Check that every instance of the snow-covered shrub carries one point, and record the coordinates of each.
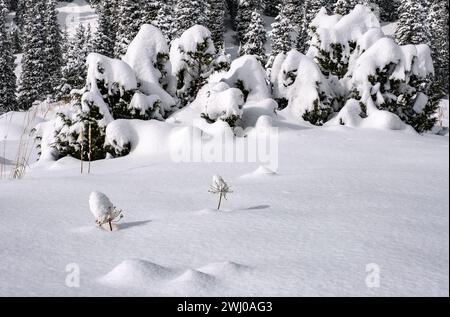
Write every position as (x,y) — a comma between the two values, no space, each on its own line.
(220,102)
(103,210)
(80,131)
(192,56)
(299,85)
(247,74)
(114,81)
(397,79)
(334,38)
(148,56)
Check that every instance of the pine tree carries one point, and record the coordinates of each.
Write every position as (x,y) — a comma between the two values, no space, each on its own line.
(255,38)
(53,47)
(272,7)
(74,70)
(412,27)
(388,9)
(293,10)
(149,10)
(8,100)
(129,22)
(438,24)
(33,78)
(105,38)
(343,7)
(281,34)
(165,20)
(216,22)
(244,16)
(189,13)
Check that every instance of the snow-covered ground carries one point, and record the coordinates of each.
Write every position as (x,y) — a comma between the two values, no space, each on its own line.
(342,199)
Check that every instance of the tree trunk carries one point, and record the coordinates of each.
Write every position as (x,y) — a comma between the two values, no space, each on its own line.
(220,202)
(110,225)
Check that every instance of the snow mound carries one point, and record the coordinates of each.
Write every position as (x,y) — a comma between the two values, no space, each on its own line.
(146,138)
(137,273)
(192,282)
(223,269)
(350,116)
(260,172)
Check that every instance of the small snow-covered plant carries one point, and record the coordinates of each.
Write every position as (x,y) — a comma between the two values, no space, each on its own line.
(221,188)
(103,210)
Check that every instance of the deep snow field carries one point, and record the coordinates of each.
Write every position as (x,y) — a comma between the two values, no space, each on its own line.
(342,198)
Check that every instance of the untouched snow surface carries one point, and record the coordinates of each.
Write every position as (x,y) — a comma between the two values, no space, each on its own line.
(341,199)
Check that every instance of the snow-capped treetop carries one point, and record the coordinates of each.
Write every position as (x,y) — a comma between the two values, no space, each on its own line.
(342,29)
(115,74)
(197,34)
(148,56)
(248,72)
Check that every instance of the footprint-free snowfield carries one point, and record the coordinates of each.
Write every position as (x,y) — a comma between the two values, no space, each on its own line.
(342,199)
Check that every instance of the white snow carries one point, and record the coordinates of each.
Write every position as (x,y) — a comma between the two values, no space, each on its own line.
(142,56)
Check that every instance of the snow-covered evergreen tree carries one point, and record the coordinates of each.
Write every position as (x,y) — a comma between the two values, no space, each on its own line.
(129,17)
(293,10)
(281,40)
(189,13)
(388,9)
(33,84)
(104,39)
(309,10)
(216,22)
(412,25)
(53,47)
(74,69)
(343,7)
(244,15)
(195,55)
(438,24)
(149,10)
(272,7)
(8,100)
(255,38)
(165,20)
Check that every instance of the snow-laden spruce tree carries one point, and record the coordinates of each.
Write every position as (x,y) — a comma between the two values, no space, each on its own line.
(104,39)
(164,20)
(33,80)
(299,85)
(272,7)
(438,24)
(149,10)
(343,7)
(8,100)
(281,40)
(293,10)
(216,22)
(129,17)
(388,9)
(309,10)
(74,68)
(244,16)
(192,56)
(53,47)
(412,24)
(189,13)
(255,38)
